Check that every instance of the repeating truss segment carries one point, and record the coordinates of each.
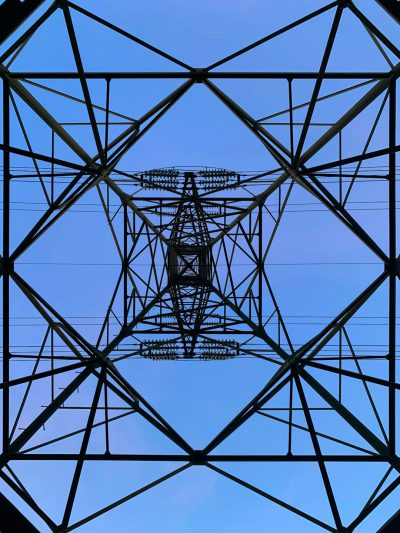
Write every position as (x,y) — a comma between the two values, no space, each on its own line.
(193,281)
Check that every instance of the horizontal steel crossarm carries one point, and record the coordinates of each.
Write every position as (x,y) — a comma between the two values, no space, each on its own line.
(198,458)
(199,75)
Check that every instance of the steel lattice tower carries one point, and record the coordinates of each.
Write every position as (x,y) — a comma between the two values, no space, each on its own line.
(192,227)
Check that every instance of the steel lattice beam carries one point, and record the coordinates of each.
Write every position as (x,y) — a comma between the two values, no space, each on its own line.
(197,303)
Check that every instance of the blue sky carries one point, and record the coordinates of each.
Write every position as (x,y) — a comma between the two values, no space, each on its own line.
(316,266)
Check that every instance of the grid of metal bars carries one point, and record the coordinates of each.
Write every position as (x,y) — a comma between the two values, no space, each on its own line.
(157,309)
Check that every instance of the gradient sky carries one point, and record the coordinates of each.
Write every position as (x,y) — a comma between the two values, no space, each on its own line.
(200,398)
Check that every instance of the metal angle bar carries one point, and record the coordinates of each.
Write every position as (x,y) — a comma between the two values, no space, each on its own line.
(166,103)
(392,273)
(254,404)
(34,104)
(126,331)
(33,427)
(16,479)
(320,99)
(272,498)
(6,268)
(379,47)
(200,75)
(128,35)
(127,498)
(339,125)
(374,456)
(281,31)
(356,424)
(17,53)
(281,321)
(374,504)
(162,107)
(229,277)
(343,317)
(28,388)
(269,141)
(367,22)
(109,312)
(79,100)
(109,221)
(318,83)
(379,486)
(29,501)
(392,7)
(40,227)
(62,327)
(83,450)
(392,525)
(47,159)
(26,35)
(366,388)
(329,201)
(29,146)
(317,449)
(41,375)
(160,423)
(83,81)
(366,146)
(278,221)
(198,457)
(258,401)
(354,159)
(353,112)
(27,452)
(351,374)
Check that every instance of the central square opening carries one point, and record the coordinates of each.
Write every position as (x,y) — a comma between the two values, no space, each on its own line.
(188,264)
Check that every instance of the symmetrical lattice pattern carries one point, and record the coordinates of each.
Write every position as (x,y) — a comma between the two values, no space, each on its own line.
(193,279)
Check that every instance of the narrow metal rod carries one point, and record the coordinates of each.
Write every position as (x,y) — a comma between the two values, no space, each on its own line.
(6,264)
(392,274)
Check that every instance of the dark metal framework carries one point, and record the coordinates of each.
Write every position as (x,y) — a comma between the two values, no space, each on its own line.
(187,305)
